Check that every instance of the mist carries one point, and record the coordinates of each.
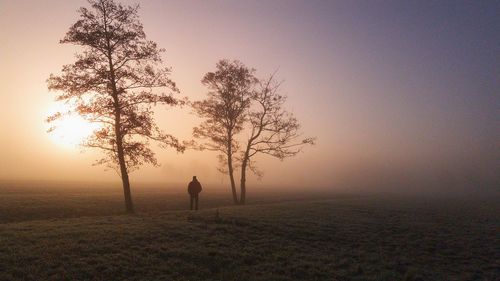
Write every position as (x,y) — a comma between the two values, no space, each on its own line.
(401,97)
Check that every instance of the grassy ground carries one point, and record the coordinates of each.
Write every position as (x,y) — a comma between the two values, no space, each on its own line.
(364,238)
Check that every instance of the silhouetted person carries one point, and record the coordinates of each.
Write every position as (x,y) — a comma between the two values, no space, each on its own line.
(194,188)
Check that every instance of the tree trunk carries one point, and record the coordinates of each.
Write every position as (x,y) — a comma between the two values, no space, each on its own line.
(244,164)
(230,166)
(129,207)
(243,188)
(231,177)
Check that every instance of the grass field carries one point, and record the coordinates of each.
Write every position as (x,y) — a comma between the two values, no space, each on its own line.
(81,235)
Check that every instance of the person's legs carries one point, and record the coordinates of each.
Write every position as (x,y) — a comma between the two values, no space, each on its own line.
(196,202)
(191,198)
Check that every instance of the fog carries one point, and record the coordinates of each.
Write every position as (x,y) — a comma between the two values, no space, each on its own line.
(402,97)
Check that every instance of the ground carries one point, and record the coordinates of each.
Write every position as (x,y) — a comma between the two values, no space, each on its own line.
(77,235)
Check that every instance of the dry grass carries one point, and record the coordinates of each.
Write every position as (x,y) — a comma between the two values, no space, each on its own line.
(334,239)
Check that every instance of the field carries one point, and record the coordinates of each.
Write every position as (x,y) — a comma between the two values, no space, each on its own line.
(81,234)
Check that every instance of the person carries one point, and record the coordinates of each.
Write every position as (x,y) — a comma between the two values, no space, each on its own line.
(194,188)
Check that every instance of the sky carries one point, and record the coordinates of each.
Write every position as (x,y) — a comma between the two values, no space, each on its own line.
(401,95)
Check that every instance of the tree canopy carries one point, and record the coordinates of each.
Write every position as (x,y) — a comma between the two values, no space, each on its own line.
(224,111)
(239,102)
(116,80)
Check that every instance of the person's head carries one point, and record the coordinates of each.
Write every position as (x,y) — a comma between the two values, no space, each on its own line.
(194,178)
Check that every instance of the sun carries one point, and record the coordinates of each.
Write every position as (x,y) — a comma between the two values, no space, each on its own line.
(71,130)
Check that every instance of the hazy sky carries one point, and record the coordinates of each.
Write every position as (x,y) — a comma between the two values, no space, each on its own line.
(401,94)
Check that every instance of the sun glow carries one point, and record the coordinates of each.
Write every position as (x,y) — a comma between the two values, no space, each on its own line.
(71,130)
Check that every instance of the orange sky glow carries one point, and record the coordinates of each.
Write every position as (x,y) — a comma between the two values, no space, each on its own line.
(367,92)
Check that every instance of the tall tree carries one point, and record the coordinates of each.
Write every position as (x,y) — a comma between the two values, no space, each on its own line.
(230,88)
(115,81)
(272,130)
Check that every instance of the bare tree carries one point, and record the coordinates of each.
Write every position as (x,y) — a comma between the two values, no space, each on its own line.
(230,88)
(272,130)
(115,82)
(237,102)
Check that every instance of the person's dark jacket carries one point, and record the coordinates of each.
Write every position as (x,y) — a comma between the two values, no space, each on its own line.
(194,188)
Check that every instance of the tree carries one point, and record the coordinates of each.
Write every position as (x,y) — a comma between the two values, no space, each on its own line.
(115,82)
(239,102)
(273,130)
(230,88)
